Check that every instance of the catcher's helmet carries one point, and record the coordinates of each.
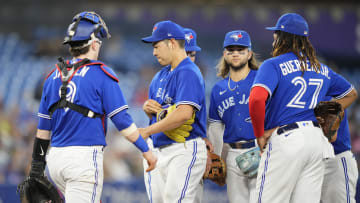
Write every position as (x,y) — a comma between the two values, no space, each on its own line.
(84,25)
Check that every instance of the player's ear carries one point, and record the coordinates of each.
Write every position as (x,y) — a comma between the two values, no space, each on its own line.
(168,43)
(250,54)
(171,44)
(224,52)
(93,45)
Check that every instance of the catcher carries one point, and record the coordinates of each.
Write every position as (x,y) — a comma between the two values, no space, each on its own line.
(78,96)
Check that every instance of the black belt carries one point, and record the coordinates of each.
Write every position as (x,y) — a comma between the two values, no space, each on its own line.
(293,126)
(239,145)
(164,146)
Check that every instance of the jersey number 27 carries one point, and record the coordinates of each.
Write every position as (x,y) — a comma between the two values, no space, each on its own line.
(296,100)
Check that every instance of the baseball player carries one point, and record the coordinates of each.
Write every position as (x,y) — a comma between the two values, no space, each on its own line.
(287,87)
(152,183)
(229,119)
(74,108)
(341,172)
(180,165)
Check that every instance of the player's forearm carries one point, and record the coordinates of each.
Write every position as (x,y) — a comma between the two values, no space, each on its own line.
(132,134)
(40,147)
(215,132)
(43,134)
(174,120)
(348,99)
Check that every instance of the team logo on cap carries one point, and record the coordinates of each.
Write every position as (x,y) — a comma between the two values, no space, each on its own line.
(189,37)
(155,27)
(236,37)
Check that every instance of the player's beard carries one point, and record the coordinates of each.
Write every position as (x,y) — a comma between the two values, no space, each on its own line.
(238,67)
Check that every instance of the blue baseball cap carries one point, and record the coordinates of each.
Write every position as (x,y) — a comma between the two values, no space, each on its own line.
(292,23)
(190,40)
(165,30)
(237,37)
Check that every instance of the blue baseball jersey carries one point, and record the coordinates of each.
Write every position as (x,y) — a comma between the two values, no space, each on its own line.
(293,94)
(94,86)
(231,107)
(183,85)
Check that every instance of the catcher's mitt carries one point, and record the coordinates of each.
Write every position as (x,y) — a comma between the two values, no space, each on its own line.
(329,114)
(217,172)
(248,162)
(38,190)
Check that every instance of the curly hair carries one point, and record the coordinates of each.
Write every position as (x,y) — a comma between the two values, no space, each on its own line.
(299,45)
(223,68)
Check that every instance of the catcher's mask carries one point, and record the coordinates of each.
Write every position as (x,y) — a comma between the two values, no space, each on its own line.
(84,25)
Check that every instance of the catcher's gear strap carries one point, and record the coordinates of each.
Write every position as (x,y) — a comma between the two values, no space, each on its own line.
(40,149)
(67,71)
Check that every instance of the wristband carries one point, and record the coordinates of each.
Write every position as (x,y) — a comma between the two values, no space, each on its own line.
(40,149)
(141,144)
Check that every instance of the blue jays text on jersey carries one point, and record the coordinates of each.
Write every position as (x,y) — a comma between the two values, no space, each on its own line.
(94,86)
(296,93)
(230,106)
(183,85)
(229,102)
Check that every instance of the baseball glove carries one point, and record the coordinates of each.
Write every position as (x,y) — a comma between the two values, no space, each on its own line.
(329,114)
(248,162)
(217,172)
(178,134)
(38,190)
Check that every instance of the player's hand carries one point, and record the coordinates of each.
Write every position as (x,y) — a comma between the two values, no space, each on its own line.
(151,160)
(209,146)
(208,163)
(262,141)
(151,107)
